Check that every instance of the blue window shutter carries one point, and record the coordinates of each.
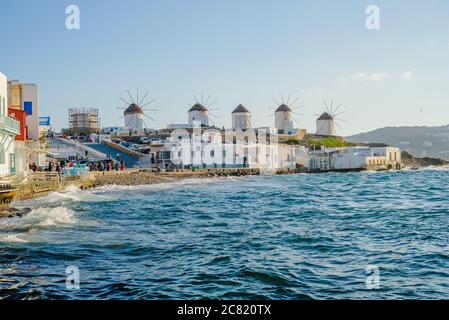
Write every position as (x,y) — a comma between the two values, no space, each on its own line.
(28,107)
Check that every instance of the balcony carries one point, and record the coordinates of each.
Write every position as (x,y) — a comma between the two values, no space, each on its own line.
(9,125)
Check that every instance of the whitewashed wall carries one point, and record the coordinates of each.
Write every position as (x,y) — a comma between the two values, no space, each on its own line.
(7,141)
(241,120)
(30,93)
(283,120)
(200,116)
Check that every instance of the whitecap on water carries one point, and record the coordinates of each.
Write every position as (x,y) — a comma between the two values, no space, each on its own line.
(157,186)
(39,218)
(53,216)
(13,238)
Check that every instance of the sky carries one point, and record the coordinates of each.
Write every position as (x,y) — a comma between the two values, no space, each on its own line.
(247,52)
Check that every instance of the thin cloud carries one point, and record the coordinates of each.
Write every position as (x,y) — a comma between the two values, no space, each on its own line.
(362,76)
(407,75)
(373,77)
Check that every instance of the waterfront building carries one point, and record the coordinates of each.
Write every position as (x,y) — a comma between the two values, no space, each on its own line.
(20,148)
(216,151)
(241,118)
(116,131)
(25,97)
(9,129)
(355,158)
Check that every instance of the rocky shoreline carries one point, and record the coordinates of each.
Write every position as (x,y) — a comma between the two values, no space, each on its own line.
(34,189)
(143,177)
(414,162)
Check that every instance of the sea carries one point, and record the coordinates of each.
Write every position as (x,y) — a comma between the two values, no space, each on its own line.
(368,235)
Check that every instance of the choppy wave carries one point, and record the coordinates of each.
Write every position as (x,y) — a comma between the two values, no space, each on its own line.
(171,184)
(266,237)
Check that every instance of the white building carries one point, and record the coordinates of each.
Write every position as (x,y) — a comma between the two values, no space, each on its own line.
(26,97)
(283,119)
(199,113)
(116,131)
(325,125)
(213,150)
(174,126)
(9,128)
(355,158)
(30,101)
(392,155)
(133,116)
(241,118)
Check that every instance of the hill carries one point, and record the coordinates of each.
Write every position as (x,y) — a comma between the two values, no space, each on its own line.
(421,142)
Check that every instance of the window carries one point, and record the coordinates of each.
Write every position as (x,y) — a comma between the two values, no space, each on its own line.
(28,107)
(2,156)
(3,106)
(12,163)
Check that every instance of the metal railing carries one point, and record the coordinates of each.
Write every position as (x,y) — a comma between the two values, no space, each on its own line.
(10,125)
(75,171)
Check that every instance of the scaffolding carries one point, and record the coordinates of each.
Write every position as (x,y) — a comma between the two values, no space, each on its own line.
(83,118)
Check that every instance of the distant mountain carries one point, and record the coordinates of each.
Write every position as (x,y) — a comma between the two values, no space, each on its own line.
(419,141)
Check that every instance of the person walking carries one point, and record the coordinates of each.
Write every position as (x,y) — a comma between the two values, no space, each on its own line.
(122,165)
(58,170)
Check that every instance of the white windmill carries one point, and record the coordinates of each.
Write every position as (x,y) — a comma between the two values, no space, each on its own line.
(199,112)
(284,115)
(327,122)
(241,118)
(134,115)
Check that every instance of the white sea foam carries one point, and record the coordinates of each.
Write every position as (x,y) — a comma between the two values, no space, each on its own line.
(434,168)
(13,238)
(158,186)
(53,216)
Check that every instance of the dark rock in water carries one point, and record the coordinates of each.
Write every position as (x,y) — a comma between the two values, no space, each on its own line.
(14,212)
(23,212)
(415,163)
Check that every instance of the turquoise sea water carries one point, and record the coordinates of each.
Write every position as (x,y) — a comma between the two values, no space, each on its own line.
(265,237)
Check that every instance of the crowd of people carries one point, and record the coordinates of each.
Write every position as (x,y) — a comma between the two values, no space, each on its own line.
(107,166)
(59,166)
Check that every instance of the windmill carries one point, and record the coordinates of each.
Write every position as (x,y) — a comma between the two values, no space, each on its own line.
(134,114)
(328,120)
(241,118)
(200,111)
(284,113)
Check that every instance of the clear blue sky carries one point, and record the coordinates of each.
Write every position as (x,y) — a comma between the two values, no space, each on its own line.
(239,51)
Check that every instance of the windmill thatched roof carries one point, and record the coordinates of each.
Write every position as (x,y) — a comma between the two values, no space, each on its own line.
(326,116)
(283,108)
(198,107)
(240,109)
(133,108)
